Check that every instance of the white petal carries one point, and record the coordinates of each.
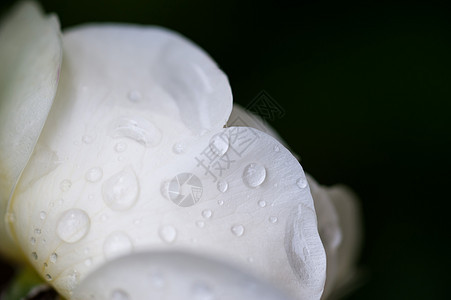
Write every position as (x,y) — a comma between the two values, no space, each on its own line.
(172,276)
(257,212)
(30,58)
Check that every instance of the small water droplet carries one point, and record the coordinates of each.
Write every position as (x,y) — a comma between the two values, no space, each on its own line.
(32,240)
(200,224)
(45,265)
(53,257)
(262,203)
(302,182)
(221,202)
(276,148)
(121,190)
(178,148)
(207,214)
(222,186)
(119,295)
(48,277)
(168,233)
(88,139)
(219,144)
(134,96)
(10,217)
(88,262)
(94,174)
(201,291)
(120,147)
(254,174)
(137,129)
(37,231)
(157,280)
(42,215)
(73,225)
(34,255)
(273,219)
(103,218)
(65,185)
(238,230)
(117,244)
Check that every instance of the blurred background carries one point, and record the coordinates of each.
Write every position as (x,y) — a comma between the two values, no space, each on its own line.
(365,89)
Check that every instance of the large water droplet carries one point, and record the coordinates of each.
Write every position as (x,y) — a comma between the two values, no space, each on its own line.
(94,174)
(207,214)
(65,185)
(238,230)
(137,129)
(117,244)
(222,186)
(73,225)
(254,174)
(302,182)
(121,190)
(219,144)
(119,295)
(168,233)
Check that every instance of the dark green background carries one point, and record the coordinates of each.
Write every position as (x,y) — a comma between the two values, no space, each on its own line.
(366,90)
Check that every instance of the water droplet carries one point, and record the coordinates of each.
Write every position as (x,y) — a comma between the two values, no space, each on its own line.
(119,295)
(238,230)
(45,265)
(42,215)
(48,277)
(65,185)
(137,129)
(219,144)
(53,257)
(222,186)
(88,139)
(120,147)
(32,240)
(73,225)
(134,96)
(117,244)
(221,202)
(201,291)
(34,255)
(120,191)
(200,224)
(276,148)
(178,148)
(254,174)
(94,174)
(88,262)
(103,218)
(10,217)
(302,182)
(168,233)
(262,203)
(157,280)
(37,231)
(273,219)
(207,214)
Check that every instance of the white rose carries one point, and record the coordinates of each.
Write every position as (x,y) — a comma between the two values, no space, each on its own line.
(127,157)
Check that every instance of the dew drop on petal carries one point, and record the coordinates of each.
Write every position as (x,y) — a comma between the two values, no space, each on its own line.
(207,213)
(137,129)
(221,202)
(238,230)
(119,295)
(87,139)
(222,186)
(168,233)
(121,190)
(116,244)
(178,148)
(88,262)
(32,240)
(276,148)
(273,219)
(53,257)
(65,185)
(201,291)
(302,183)
(254,174)
(48,277)
(73,225)
(37,231)
(94,174)
(157,280)
(134,96)
(120,147)
(34,255)
(200,224)
(262,203)
(219,144)
(42,215)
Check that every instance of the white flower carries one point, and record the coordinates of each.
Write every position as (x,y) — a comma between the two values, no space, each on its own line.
(133,157)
